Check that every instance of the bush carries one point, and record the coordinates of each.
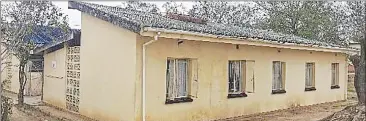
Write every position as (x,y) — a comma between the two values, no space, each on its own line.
(7,104)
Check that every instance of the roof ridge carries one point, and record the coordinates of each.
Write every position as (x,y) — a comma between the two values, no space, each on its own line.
(136,20)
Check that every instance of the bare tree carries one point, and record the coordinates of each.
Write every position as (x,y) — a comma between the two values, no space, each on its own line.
(23,20)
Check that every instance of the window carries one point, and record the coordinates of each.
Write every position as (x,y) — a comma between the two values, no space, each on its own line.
(241,78)
(310,77)
(36,66)
(335,76)
(278,82)
(181,74)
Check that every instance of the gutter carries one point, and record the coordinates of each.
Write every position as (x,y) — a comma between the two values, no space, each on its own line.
(144,74)
(262,41)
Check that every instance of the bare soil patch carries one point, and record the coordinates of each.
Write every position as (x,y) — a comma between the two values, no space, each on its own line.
(304,113)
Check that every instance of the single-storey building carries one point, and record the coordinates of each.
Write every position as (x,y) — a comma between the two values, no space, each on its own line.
(10,75)
(351,68)
(136,66)
(41,36)
(355,45)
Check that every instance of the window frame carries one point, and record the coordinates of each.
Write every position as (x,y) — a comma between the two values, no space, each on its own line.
(241,82)
(335,75)
(282,76)
(35,69)
(178,98)
(312,72)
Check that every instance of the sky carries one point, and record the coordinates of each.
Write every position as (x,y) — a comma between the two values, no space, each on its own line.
(75,15)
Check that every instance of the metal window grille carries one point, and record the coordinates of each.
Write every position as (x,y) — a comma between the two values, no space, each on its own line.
(177,78)
(36,66)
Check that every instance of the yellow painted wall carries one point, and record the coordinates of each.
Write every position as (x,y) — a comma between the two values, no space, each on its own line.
(13,84)
(33,85)
(212,101)
(138,82)
(54,78)
(108,67)
(111,77)
(14,81)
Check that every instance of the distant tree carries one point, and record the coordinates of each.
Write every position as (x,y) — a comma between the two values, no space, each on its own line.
(21,19)
(173,7)
(308,19)
(141,6)
(225,13)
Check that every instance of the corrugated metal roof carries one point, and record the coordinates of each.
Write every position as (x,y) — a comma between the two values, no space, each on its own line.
(42,35)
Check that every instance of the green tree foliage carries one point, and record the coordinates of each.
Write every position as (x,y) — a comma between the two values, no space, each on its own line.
(141,6)
(173,7)
(309,19)
(356,19)
(225,13)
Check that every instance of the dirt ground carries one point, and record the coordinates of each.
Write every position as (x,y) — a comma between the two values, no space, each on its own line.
(23,114)
(307,113)
(34,110)
(19,114)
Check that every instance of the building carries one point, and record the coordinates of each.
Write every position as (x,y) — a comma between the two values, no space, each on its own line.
(34,75)
(41,36)
(351,68)
(355,45)
(130,64)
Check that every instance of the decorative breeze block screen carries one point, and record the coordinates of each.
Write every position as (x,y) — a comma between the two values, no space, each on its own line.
(73,79)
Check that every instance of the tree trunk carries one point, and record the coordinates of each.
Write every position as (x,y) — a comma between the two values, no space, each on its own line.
(22,81)
(356,59)
(362,74)
(363,61)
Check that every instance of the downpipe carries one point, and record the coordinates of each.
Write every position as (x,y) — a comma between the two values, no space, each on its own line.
(144,74)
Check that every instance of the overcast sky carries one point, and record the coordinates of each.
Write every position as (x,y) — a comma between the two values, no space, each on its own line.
(75,17)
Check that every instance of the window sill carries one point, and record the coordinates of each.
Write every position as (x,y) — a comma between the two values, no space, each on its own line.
(310,89)
(237,95)
(335,87)
(278,91)
(35,70)
(179,100)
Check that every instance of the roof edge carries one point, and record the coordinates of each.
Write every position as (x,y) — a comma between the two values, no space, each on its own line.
(248,41)
(43,48)
(115,20)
